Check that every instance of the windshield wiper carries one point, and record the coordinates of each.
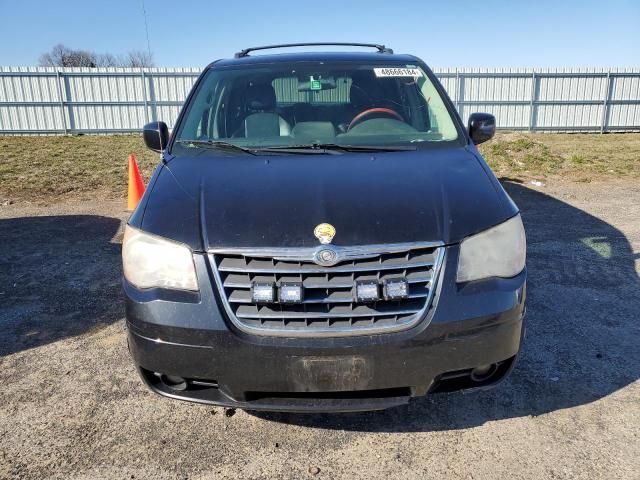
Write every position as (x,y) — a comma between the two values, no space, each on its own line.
(332,147)
(217,144)
(313,148)
(369,148)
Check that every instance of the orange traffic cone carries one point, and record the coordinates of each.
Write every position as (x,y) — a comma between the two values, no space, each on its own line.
(136,187)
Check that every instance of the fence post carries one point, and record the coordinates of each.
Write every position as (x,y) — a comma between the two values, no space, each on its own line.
(457,100)
(532,103)
(63,117)
(460,94)
(144,96)
(605,104)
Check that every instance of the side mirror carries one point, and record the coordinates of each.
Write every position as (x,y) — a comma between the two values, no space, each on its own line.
(482,127)
(156,136)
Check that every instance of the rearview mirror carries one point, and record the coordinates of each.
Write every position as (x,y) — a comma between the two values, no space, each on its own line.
(156,136)
(482,127)
(327,83)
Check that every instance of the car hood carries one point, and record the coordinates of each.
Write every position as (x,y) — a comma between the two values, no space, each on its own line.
(210,199)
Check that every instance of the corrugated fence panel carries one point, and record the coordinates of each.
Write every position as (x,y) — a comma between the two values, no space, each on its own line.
(627,91)
(573,102)
(48,100)
(167,88)
(30,100)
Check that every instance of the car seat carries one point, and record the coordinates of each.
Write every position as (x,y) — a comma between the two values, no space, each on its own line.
(263,119)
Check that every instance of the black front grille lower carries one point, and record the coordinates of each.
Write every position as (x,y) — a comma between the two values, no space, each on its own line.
(328,307)
(337,395)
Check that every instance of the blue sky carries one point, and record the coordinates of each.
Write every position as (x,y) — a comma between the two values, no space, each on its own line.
(480,33)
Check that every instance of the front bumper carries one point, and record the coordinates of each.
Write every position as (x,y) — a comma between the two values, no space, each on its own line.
(188,336)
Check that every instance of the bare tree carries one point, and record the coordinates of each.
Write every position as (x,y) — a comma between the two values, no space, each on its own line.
(61,56)
(139,59)
(107,60)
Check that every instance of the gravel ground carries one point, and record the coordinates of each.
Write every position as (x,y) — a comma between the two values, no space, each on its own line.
(72,405)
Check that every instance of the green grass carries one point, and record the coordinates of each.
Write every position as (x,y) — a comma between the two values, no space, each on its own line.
(573,157)
(521,155)
(46,168)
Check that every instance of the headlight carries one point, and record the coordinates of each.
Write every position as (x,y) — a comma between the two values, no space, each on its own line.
(498,252)
(149,261)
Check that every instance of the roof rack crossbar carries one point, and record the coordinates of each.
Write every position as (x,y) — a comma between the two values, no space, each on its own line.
(381,48)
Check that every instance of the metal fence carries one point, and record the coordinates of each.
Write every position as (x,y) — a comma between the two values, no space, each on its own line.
(45,100)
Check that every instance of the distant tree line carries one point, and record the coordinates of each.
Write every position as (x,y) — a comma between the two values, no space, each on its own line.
(63,56)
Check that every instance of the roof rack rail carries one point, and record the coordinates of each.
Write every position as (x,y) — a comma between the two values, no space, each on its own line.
(381,48)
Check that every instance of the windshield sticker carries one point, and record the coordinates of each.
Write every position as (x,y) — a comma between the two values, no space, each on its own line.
(397,72)
(315,84)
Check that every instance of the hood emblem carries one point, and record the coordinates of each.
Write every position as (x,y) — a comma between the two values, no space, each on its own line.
(325,233)
(326,257)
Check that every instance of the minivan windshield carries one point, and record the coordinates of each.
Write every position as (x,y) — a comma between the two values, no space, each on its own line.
(314,104)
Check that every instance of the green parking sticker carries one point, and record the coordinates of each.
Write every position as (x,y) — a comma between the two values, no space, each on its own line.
(315,84)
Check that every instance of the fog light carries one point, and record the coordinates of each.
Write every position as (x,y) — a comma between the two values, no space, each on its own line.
(367,291)
(483,372)
(262,292)
(396,288)
(290,292)
(174,382)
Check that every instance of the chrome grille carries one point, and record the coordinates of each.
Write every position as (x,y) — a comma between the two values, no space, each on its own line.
(328,307)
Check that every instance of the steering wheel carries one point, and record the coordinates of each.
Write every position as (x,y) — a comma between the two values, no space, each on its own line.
(371,111)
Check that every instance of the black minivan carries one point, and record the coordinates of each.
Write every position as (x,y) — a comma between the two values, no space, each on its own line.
(322,234)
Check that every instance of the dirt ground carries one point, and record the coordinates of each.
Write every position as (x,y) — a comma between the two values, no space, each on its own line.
(72,406)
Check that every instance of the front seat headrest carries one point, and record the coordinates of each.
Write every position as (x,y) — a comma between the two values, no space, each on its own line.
(261,97)
(366,91)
